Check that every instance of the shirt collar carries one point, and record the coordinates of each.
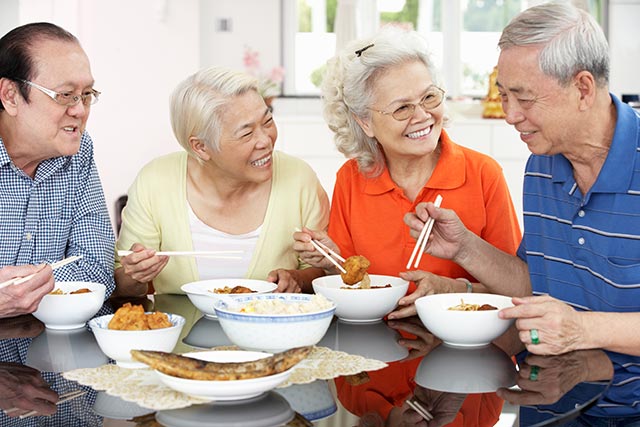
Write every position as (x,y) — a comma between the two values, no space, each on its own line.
(617,171)
(449,172)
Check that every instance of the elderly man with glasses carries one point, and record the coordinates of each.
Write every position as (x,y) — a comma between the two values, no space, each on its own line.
(52,204)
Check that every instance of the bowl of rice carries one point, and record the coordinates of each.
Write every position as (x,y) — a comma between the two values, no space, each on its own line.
(275,322)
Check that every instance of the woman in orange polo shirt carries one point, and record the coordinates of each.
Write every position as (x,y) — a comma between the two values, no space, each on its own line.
(385,104)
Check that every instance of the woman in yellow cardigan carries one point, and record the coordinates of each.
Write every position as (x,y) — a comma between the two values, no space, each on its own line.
(228,190)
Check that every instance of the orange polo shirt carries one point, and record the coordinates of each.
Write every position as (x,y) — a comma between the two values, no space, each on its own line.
(367,213)
(367,219)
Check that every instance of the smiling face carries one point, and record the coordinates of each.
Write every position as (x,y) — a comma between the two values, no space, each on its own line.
(46,129)
(246,140)
(544,112)
(416,136)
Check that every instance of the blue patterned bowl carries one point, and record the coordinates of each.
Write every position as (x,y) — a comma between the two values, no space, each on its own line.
(275,332)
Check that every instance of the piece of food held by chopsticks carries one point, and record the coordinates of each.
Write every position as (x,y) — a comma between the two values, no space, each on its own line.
(195,369)
(356,267)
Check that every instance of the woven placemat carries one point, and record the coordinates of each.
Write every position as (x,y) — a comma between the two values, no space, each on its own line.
(143,387)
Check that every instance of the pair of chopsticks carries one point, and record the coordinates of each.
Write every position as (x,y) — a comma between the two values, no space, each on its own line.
(421,243)
(62,398)
(328,253)
(197,254)
(61,263)
(416,406)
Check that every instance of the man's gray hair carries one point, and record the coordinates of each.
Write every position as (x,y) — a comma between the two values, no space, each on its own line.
(573,41)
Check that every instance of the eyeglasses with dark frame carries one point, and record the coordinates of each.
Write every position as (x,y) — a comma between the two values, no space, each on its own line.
(432,99)
(65,98)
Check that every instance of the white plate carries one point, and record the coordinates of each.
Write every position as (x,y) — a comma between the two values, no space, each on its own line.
(226,390)
(200,293)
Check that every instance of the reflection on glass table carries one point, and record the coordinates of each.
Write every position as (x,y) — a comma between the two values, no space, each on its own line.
(205,334)
(267,410)
(472,370)
(314,401)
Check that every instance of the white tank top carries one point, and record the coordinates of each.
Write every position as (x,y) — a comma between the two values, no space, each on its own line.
(206,238)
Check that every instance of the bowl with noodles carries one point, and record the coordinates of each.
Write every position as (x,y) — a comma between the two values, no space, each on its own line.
(464,319)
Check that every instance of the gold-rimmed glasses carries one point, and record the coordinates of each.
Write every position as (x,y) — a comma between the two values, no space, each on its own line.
(67,99)
(432,99)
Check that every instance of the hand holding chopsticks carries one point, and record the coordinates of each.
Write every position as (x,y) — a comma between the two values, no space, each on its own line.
(58,264)
(421,243)
(63,398)
(328,253)
(414,404)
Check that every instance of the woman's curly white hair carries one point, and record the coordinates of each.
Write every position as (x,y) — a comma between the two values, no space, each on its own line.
(348,89)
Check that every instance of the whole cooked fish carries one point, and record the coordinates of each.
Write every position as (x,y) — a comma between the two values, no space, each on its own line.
(188,367)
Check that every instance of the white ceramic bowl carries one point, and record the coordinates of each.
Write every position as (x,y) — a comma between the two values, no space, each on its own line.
(61,351)
(225,390)
(362,305)
(267,410)
(466,370)
(118,344)
(463,328)
(202,296)
(70,311)
(273,332)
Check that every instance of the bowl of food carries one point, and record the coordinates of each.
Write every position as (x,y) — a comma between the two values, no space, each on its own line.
(70,305)
(360,304)
(204,293)
(466,370)
(464,319)
(275,322)
(131,328)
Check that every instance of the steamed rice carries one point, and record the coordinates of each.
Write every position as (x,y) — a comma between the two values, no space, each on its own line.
(277,306)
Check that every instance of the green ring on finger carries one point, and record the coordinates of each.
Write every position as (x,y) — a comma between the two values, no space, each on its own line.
(535,338)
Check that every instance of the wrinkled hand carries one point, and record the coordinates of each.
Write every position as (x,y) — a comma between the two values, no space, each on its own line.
(553,376)
(559,326)
(309,254)
(143,265)
(24,298)
(443,406)
(287,280)
(424,342)
(448,233)
(426,284)
(22,387)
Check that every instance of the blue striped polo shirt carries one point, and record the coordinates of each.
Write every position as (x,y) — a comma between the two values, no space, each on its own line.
(585,249)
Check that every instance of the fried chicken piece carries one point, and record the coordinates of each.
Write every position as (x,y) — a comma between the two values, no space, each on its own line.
(356,267)
(81,291)
(158,320)
(241,290)
(133,318)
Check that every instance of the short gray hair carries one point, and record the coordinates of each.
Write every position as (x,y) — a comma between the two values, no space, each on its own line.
(347,89)
(573,41)
(196,104)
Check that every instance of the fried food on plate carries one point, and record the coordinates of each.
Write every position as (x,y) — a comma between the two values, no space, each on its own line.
(133,318)
(195,369)
(356,267)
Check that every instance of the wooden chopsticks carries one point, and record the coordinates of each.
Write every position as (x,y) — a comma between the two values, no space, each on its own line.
(58,264)
(421,243)
(62,398)
(197,254)
(416,406)
(328,253)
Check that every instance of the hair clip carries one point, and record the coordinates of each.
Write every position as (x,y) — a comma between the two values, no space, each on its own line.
(359,51)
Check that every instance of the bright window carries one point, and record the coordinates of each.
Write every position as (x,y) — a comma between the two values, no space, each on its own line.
(462,34)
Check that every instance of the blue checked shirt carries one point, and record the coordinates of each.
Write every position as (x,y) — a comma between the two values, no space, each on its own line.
(59,213)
